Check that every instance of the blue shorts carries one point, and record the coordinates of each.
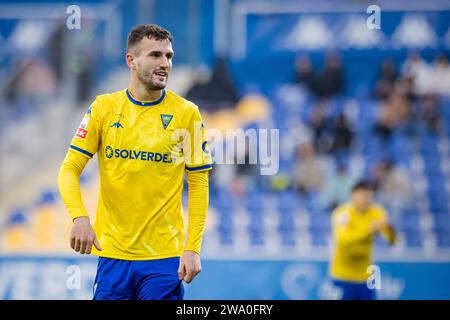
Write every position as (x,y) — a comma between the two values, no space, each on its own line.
(138,280)
(353,291)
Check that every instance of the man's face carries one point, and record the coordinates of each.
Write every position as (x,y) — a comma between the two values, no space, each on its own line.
(362,199)
(152,61)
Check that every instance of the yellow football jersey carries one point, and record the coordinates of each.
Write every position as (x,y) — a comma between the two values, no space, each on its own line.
(354,240)
(143,149)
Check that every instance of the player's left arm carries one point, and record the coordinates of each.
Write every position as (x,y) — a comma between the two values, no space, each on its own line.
(387,230)
(198,162)
(198,196)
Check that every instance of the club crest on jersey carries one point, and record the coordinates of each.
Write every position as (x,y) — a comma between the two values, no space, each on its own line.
(166,118)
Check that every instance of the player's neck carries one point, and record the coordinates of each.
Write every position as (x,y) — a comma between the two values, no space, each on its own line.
(141,93)
(360,209)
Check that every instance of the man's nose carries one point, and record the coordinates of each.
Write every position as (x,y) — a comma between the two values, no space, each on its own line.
(165,63)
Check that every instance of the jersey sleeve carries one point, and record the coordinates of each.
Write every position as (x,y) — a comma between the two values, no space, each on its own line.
(69,186)
(195,146)
(387,233)
(87,137)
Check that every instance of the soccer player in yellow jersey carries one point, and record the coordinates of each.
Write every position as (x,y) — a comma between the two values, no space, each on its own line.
(355,225)
(146,138)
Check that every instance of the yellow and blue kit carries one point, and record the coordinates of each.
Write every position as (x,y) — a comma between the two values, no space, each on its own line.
(143,150)
(353,237)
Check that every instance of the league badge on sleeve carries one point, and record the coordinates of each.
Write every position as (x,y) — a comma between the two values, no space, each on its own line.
(81,133)
(82,129)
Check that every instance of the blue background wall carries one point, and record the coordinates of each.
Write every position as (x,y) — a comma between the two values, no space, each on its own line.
(47,277)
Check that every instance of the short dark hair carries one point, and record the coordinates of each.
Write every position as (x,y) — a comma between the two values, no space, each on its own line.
(151,31)
(363,185)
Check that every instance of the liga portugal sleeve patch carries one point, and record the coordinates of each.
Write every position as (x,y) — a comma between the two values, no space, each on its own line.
(81,133)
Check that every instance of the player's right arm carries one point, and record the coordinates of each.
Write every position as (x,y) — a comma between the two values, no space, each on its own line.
(83,146)
(82,236)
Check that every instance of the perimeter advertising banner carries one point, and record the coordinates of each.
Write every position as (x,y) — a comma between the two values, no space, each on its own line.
(73,278)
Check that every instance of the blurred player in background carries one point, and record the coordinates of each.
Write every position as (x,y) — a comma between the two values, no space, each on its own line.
(146,137)
(355,225)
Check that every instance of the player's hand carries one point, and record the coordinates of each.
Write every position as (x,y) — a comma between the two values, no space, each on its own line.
(190,266)
(82,236)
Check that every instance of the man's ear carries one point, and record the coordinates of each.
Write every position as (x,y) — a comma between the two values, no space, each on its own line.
(129,57)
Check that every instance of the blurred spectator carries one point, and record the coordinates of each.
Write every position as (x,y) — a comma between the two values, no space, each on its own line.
(82,67)
(309,170)
(441,70)
(426,78)
(331,79)
(218,92)
(406,86)
(343,136)
(305,74)
(420,72)
(322,128)
(386,80)
(253,108)
(35,80)
(246,175)
(393,185)
(393,113)
(56,50)
(323,84)
(338,187)
(429,113)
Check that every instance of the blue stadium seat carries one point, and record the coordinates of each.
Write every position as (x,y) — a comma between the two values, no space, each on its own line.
(47,197)
(256,227)
(336,106)
(409,221)
(428,146)
(432,165)
(288,239)
(319,238)
(400,144)
(438,204)
(288,201)
(320,221)
(16,217)
(442,222)
(443,239)
(256,239)
(226,239)
(380,242)
(287,223)
(254,203)
(224,202)
(413,239)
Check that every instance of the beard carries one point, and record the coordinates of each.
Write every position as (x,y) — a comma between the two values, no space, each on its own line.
(146,78)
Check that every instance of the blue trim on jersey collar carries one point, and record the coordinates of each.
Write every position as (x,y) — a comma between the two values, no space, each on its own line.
(146,104)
